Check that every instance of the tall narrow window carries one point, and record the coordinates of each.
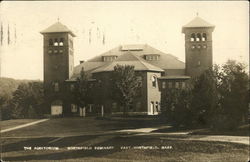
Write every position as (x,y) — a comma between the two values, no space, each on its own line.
(177,85)
(163,85)
(170,84)
(56,86)
(192,37)
(153,81)
(61,42)
(204,37)
(50,42)
(198,38)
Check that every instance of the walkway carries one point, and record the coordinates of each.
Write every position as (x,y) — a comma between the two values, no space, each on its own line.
(24,125)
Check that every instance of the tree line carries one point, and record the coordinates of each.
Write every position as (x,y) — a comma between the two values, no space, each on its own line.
(217,99)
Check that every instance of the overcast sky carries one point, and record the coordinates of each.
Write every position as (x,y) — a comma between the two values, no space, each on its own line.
(155,23)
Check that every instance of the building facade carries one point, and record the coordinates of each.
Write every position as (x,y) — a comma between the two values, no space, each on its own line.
(157,71)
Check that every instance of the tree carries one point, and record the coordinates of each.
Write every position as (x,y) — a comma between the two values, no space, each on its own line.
(177,103)
(234,94)
(204,103)
(27,100)
(125,85)
(81,89)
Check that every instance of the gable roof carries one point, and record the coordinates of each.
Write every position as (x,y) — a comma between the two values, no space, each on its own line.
(129,58)
(57,27)
(198,22)
(166,61)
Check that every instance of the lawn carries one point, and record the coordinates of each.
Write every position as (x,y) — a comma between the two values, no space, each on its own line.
(91,132)
(77,125)
(195,151)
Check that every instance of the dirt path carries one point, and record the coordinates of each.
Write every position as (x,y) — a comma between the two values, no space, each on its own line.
(23,125)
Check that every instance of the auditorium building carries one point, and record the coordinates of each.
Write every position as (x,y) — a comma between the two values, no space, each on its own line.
(156,70)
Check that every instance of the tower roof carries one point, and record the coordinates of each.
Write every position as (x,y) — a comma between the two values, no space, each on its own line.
(57,27)
(198,22)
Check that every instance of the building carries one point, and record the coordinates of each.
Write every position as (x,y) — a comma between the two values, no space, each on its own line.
(157,71)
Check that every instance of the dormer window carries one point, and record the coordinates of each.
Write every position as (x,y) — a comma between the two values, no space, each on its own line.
(55,42)
(109,58)
(152,57)
(61,42)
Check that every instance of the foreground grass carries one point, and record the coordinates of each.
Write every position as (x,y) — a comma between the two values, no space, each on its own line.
(195,151)
(75,126)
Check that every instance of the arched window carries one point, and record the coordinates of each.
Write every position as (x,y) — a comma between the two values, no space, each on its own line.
(55,42)
(61,42)
(204,37)
(192,38)
(198,37)
(153,81)
(50,42)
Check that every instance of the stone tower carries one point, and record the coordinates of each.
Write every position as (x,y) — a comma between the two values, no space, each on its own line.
(58,55)
(198,46)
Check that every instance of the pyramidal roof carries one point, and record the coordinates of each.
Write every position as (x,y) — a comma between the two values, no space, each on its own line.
(129,58)
(198,22)
(57,27)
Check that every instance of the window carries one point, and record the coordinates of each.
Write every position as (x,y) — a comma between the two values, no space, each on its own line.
(204,37)
(50,42)
(60,51)
(199,46)
(61,42)
(163,85)
(153,81)
(157,106)
(204,46)
(72,87)
(177,85)
(50,51)
(183,85)
(198,38)
(55,42)
(193,47)
(55,51)
(138,106)
(56,87)
(192,38)
(73,108)
(170,84)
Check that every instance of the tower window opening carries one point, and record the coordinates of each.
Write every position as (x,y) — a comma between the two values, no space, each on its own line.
(193,47)
(204,37)
(61,42)
(198,38)
(204,46)
(192,37)
(55,42)
(199,46)
(50,42)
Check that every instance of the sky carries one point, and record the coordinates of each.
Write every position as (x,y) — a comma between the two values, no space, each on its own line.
(157,23)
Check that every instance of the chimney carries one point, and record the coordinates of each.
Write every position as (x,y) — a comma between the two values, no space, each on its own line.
(81,61)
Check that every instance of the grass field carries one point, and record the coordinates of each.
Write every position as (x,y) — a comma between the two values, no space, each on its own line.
(91,133)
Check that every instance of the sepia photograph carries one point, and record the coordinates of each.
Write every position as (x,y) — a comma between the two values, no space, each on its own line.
(121,81)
